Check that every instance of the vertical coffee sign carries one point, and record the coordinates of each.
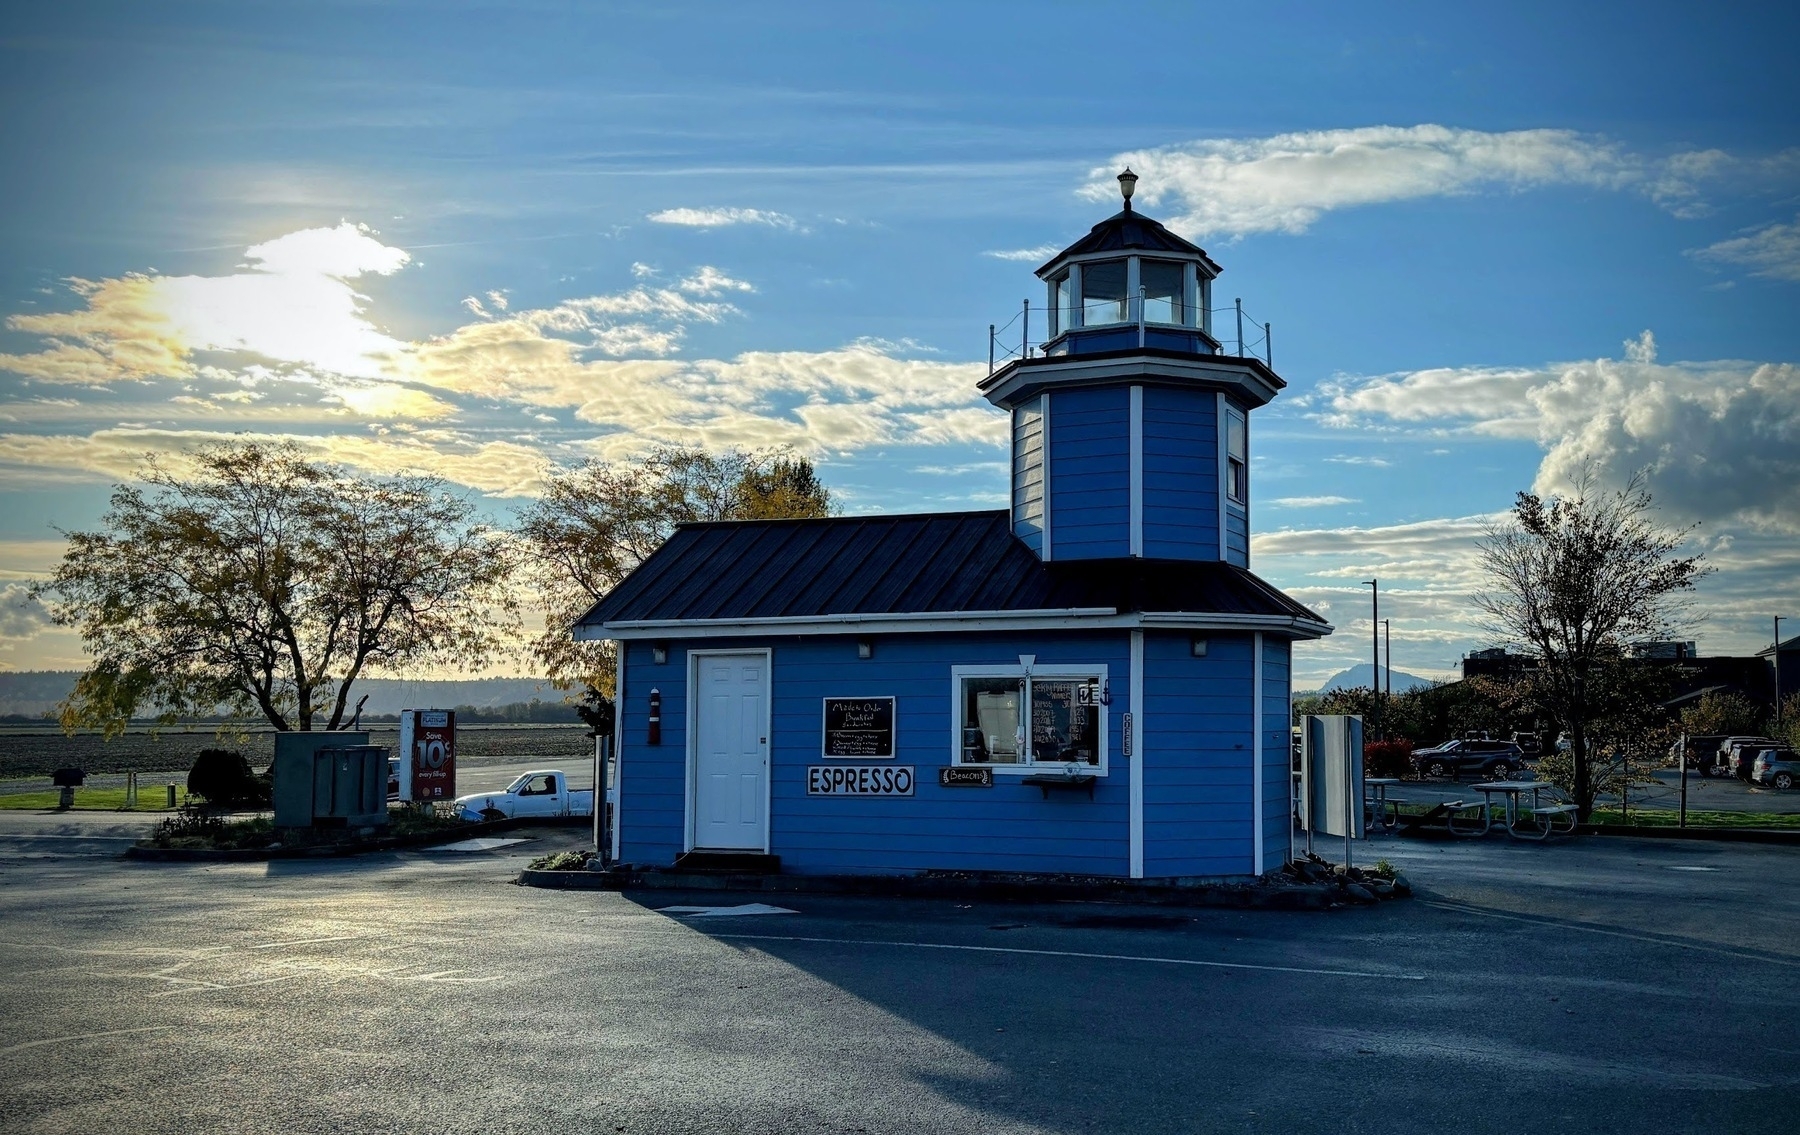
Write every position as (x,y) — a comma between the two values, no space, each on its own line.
(428,754)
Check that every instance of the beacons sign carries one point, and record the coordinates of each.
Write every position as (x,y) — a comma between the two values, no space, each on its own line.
(428,754)
(866,780)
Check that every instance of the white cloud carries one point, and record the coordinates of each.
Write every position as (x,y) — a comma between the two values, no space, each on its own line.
(1285,183)
(709,281)
(21,615)
(294,305)
(598,370)
(718,218)
(1372,462)
(1036,255)
(344,252)
(1772,251)
(1308,502)
(1720,440)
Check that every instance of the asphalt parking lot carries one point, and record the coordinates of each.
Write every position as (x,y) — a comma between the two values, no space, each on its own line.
(1598,984)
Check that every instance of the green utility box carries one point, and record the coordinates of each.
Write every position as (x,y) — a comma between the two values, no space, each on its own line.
(329,780)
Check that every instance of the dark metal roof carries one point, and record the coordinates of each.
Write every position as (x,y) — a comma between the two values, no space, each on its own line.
(1130,230)
(924,563)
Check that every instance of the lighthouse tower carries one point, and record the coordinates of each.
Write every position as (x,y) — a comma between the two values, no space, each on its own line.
(1131,436)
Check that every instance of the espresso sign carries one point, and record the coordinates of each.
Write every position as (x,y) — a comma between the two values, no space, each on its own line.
(859,780)
(859,727)
(962,776)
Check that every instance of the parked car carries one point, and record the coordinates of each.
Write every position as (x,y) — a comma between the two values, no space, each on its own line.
(1738,754)
(1777,768)
(1496,759)
(540,792)
(1529,743)
(393,791)
(1702,751)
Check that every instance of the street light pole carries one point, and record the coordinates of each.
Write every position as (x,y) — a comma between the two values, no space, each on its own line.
(1778,673)
(1387,656)
(1375,649)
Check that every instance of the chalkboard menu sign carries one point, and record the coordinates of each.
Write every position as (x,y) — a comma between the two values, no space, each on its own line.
(859,727)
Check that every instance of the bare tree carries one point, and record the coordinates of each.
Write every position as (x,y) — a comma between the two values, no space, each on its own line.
(266,585)
(596,521)
(1575,579)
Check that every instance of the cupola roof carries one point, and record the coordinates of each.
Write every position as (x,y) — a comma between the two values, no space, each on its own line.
(1129,230)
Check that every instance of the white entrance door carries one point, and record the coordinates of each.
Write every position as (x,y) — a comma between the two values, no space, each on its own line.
(731,698)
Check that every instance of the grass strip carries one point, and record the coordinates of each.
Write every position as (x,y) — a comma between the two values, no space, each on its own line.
(151,798)
(1658,818)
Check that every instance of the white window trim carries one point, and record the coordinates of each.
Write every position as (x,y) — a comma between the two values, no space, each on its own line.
(1244,481)
(1044,415)
(1136,472)
(617,794)
(1030,768)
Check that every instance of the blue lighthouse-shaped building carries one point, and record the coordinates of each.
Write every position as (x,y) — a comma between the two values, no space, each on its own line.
(1131,431)
(1089,682)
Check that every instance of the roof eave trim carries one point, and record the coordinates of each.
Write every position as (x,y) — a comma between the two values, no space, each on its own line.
(942,622)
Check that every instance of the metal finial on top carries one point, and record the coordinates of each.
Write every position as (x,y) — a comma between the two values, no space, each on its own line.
(1127,183)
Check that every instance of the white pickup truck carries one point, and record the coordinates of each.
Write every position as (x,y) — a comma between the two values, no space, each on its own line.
(540,792)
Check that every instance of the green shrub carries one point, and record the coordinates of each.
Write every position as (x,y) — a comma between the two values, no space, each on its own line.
(562,861)
(224,779)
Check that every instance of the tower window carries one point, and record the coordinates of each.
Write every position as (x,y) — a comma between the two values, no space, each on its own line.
(1165,286)
(1061,298)
(1237,485)
(1103,293)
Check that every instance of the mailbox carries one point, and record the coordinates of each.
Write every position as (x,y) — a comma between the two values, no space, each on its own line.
(68,777)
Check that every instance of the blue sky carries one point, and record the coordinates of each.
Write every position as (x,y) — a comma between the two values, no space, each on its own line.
(474,238)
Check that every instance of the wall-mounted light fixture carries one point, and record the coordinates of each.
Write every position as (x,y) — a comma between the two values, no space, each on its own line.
(659,652)
(1197,646)
(865,648)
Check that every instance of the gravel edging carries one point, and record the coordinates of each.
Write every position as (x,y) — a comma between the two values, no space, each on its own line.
(330,851)
(997,888)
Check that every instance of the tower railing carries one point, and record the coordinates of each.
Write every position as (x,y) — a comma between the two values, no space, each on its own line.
(1014,340)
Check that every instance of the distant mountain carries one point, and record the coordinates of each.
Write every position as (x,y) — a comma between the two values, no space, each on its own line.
(1359,676)
(36,692)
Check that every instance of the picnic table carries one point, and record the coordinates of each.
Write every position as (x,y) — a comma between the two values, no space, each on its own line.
(1378,810)
(1536,822)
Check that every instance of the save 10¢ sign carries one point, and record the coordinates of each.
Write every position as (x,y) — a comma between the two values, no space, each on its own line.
(428,747)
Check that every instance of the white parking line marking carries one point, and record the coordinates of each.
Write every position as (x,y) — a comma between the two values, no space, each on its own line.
(81,1036)
(1071,954)
(725,911)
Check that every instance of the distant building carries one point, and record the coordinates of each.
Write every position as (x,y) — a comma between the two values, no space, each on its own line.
(1691,676)
(1497,662)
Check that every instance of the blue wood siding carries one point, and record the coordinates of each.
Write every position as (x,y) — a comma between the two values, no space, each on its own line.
(1090,473)
(1181,474)
(1237,535)
(1277,752)
(1009,827)
(1198,766)
(653,779)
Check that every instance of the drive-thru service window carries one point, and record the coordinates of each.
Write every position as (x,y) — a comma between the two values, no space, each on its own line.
(1014,720)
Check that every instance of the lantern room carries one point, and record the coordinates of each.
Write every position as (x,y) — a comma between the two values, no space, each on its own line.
(1130,283)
